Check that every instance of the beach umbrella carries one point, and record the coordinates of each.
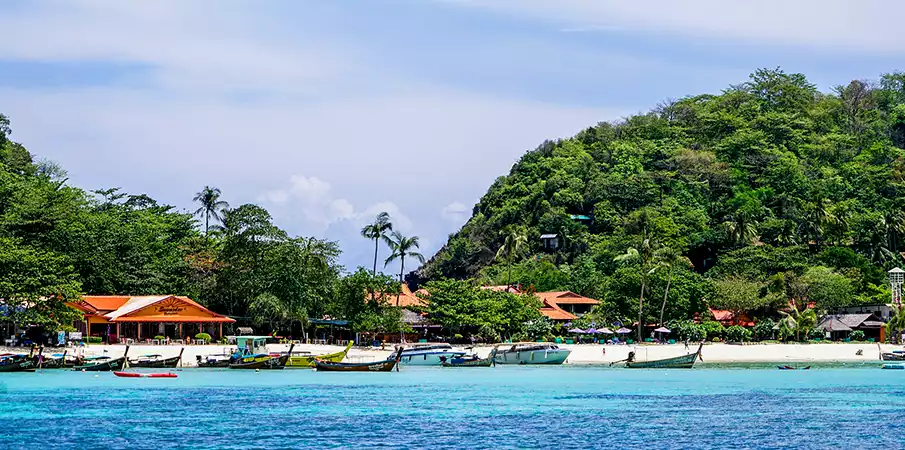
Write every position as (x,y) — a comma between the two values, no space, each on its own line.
(576,330)
(591,331)
(567,324)
(605,331)
(662,330)
(623,331)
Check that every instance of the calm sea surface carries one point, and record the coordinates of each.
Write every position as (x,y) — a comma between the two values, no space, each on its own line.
(502,407)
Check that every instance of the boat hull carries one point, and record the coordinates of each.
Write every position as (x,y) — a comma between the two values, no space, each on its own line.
(557,356)
(429,359)
(165,363)
(466,362)
(106,366)
(268,363)
(307,361)
(380,366)
(144,375)
(679,362)
(19,365)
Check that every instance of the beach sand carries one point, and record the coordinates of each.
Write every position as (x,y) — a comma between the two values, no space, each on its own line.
(581,354)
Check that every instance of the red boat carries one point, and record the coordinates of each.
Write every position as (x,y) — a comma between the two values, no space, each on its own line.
(145,375)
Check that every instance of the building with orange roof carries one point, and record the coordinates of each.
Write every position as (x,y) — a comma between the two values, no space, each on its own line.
(503,288)
(406,298)
(120,317)
(729,318)
(568,301)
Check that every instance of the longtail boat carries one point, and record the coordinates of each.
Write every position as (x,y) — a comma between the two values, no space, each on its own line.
(252,359)
(10,362)
(56,361)
(102,363)
(307,361)
(895,355)
(145,375)
(793,368)
(378,366)
(157,361)
(678,362)
(470,361)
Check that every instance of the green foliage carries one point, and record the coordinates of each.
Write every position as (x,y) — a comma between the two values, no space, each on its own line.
(736,333)
(458,305)
(94,340)
(763,329)
(687,330)
(857,335)
(539,328)
(203,336)
(713,329)
(160,337)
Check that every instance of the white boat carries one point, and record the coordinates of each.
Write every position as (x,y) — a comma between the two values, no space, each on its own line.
(531,353)
(429,354)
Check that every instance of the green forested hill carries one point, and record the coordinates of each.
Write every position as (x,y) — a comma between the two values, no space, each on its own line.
(772,190)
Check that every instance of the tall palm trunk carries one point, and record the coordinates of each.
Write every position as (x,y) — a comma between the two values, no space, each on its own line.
(207,221)
(641,309)
(665,295)
(375,256)
(509,275)
(401,271)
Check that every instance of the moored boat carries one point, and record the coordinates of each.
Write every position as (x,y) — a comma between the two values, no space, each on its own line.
(252,355)
(678,362)
(156,361)
(145,375)
(470,361)
(530,353)
(102,363)
(377,366)
(11,362)
(307,361)
(895,355)
(893,366)
(429,354)
(793,368)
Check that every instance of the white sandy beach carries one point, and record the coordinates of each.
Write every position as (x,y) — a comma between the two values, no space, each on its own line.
(581,354)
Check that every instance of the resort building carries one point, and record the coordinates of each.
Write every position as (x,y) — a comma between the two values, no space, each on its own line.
(120,318)
(840,326)
(729,318)
(565,305)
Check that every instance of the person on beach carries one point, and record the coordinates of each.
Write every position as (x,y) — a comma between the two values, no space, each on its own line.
(686,344)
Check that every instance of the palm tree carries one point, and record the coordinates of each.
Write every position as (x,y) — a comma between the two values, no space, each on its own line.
(211,205)
(740,229)
(513,246)
(669,258)
(377,231)
(644,256)
(896,323)
(797,321)
(402,246)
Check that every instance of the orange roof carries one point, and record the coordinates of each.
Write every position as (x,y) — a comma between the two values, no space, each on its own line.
(503,288)
(554,312)
(406,298)
(566,298)
(105,302)
(169,308)
(728,318)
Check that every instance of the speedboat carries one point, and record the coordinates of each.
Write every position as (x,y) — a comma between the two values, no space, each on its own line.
(429,354)
(530,353)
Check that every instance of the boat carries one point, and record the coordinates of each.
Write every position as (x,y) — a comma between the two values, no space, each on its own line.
(893,366)
(13,362)
(217,361)
(679,362)
(895,355)
(469,361)
(156,361)
(378,366)
(793,368)
(102,363)
(307,361)
(145,375)
(429,354)
(530,353)
(252,354)
(55,361)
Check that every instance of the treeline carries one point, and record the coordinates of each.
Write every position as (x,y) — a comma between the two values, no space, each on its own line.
(58,242)
(768,194)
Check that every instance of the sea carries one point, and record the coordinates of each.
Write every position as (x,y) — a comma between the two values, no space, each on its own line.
(570,407)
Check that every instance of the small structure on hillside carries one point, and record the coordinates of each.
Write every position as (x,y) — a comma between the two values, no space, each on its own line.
(896,277)
(551,241)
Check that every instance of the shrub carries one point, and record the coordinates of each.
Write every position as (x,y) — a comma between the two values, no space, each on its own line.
(159,337)
(738,334)
(816,333)
(857,335)
(716,339)
(686,330)
(763,330)
(204,336)
(93,339)
(713,329)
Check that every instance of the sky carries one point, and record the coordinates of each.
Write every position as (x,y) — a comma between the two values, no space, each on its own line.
(329,112)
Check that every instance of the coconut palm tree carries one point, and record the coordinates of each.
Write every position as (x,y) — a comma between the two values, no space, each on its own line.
(211,205)
(643,255)
(513,245)
(669,258)
(402,247)
(377,231)
(896,323)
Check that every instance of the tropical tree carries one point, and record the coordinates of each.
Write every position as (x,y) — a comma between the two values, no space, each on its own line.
(896,323)
(402,247)
(644,256)
(211,205)
(377,231)
(796,321)
(669,258)
(513,246)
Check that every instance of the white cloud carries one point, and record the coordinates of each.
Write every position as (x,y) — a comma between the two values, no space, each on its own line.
(864,26)
(456,212)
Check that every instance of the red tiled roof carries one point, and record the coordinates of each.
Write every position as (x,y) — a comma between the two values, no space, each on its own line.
(503,288)
(728,318)
(105,302)
(405,299)
(566,298)
(554,312)
(125,306)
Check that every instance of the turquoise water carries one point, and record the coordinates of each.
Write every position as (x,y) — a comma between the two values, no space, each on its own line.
(502,407)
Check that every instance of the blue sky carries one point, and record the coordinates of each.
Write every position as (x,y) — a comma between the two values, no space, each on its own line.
(328,112)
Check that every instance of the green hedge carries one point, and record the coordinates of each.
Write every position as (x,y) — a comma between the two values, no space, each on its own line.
(94,339)
(203,336)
